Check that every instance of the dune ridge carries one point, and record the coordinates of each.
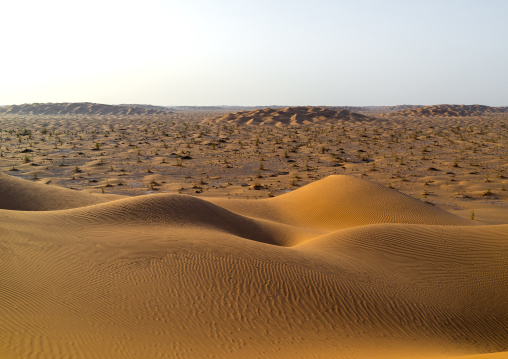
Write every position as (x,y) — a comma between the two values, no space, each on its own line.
(80,108)
(340,268)
(449,111)
(289,116)
(343,201)
(23,195)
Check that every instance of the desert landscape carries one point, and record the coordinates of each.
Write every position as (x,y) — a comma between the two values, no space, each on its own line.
(138,231)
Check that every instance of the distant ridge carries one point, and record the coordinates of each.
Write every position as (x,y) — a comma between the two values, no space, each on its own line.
(290,116)
(146,106)
(371,110)
(449,111)
(80,108)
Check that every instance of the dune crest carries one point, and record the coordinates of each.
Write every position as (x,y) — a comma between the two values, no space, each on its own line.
(22,195)
(341,267)
(80,108)
(289,116)
(343,201)
(449,111)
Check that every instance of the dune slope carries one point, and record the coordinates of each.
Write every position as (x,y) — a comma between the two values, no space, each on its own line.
(289,116)
(338,202)
(449,111)
(318,272)
(23,195)
(80,108)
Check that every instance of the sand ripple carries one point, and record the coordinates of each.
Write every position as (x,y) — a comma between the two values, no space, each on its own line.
(341,268)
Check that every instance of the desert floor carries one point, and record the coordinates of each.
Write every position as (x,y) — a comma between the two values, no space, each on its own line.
(151,237)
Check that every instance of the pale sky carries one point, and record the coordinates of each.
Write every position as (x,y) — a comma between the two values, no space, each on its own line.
(262,52)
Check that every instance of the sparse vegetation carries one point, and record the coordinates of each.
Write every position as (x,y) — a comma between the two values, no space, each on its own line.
(474,151)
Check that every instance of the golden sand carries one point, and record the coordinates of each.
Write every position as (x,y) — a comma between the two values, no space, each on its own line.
(338,267)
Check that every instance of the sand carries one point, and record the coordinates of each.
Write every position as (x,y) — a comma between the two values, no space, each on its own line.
(301,115)
(351,261)
(450,111)
(83,108)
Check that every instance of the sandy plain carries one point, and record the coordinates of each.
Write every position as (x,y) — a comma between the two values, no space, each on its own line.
(269,233)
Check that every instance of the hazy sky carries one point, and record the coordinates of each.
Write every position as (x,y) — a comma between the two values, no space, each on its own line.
(262,52)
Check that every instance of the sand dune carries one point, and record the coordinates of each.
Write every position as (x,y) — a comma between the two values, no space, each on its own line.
(338,202)
(289,116)
(79,108)
(23,195)
(449,111)
(340,268)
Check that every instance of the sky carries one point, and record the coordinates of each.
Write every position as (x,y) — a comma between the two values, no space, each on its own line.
(262,52)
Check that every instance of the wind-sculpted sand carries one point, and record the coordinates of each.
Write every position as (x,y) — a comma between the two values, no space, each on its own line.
(449,111)
(82,108)
(290,116)
(340,268)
